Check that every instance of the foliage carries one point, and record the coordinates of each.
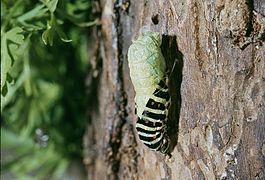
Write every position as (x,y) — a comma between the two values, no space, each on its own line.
(42,87)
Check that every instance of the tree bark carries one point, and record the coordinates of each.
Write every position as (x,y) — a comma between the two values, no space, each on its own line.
(217,117)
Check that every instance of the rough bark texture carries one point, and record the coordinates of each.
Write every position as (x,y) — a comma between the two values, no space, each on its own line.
(217,119)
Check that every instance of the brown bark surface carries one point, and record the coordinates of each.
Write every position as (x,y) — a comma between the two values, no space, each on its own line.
(217,117)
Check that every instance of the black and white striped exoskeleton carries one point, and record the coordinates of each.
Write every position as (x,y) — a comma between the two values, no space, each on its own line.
(148,74)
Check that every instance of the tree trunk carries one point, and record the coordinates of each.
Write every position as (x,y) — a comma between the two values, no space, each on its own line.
(217,126)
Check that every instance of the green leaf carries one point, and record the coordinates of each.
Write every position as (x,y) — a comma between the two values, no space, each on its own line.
(15,36)
(47,37)
(51,4)
(9,44)
(12,89)
(32,20)
(52,27)
(38,11)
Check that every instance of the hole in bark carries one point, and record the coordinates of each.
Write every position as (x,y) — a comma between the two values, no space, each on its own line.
(155,19)
(174,62)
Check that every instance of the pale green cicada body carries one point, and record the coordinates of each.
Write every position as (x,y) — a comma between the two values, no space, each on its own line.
(148,74)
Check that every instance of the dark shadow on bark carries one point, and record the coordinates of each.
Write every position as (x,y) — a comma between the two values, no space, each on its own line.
(174,61)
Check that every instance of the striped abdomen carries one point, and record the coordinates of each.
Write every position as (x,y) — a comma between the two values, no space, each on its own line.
(152,125)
